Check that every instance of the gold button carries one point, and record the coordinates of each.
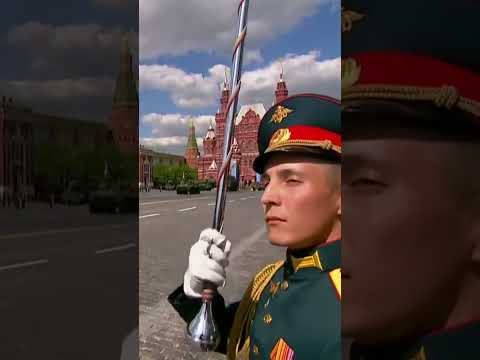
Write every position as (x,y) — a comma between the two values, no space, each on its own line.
(255,349)
(267,319)
(284,285)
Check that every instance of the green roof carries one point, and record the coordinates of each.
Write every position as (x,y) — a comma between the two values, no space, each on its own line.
(192,141)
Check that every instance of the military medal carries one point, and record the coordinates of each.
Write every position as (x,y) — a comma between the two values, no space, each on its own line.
(282,351)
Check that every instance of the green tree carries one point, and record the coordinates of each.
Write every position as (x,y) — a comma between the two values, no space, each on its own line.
(164,174)
(160,174)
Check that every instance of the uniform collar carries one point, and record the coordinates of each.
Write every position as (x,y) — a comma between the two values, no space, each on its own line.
(455,343)
(450,344)
(325,258)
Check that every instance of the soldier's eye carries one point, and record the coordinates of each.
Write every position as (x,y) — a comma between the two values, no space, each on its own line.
(366,182)
(293,181)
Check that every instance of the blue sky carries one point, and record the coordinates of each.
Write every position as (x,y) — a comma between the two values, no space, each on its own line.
(182,67)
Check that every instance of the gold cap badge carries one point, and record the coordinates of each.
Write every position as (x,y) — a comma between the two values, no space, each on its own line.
(348,18)
(280,114)
(280,136)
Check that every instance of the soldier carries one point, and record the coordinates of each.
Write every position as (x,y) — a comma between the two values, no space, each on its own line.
(291,310)
(410,186)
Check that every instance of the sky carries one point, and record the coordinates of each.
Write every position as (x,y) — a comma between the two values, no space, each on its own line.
(61,57)
(185,47)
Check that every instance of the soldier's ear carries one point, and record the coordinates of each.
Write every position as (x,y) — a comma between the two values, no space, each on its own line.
(475,233)
(339,205)
(476,255)
(476,252)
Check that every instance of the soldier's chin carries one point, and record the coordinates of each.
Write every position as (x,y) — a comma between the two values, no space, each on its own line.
(280,237)
(366,328)
(359,332)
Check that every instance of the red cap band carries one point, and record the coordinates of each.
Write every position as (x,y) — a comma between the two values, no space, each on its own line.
(395,68)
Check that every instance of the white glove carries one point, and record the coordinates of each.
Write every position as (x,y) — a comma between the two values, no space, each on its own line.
(207,262)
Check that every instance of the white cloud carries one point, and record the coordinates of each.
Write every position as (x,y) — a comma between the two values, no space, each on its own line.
(61,90)
(174,119)
(48,45)
(303,73)
(166,141)
(187,90)
(174,125)
(172,145)
(177,27)
(169,131)
(253,56)
(83,98)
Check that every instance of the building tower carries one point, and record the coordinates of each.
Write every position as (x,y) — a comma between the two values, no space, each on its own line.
(191,153)
(209,148)
(209,142)
(281,93)
(220,122)
(124,115)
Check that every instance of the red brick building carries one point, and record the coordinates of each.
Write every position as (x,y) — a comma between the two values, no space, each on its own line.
(21,129)
(245,148)
(148,158)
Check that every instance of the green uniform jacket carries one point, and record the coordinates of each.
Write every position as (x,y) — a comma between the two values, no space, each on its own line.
(296,313)
(455,344)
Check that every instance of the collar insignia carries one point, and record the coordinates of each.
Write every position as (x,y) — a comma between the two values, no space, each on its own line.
(420,355)
(311,261)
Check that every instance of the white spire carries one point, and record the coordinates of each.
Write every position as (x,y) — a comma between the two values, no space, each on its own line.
(210,132)
(213,166)
(225,82)
(281,71)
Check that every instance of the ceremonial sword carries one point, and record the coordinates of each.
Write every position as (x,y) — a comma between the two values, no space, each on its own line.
(203,331)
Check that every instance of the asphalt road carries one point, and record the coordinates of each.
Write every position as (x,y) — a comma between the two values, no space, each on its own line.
(68,283)
(72,287)
(169,225)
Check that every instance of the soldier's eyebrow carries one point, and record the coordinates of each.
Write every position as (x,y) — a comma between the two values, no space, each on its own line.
(282,174)
(349,160)
(285,173)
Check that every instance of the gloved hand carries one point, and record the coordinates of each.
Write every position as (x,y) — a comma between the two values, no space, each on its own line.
(207,262)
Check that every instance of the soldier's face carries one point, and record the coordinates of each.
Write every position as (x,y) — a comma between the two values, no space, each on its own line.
(403,251)
(301,201)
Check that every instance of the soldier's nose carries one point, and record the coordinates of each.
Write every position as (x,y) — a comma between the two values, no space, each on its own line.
(270,197)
